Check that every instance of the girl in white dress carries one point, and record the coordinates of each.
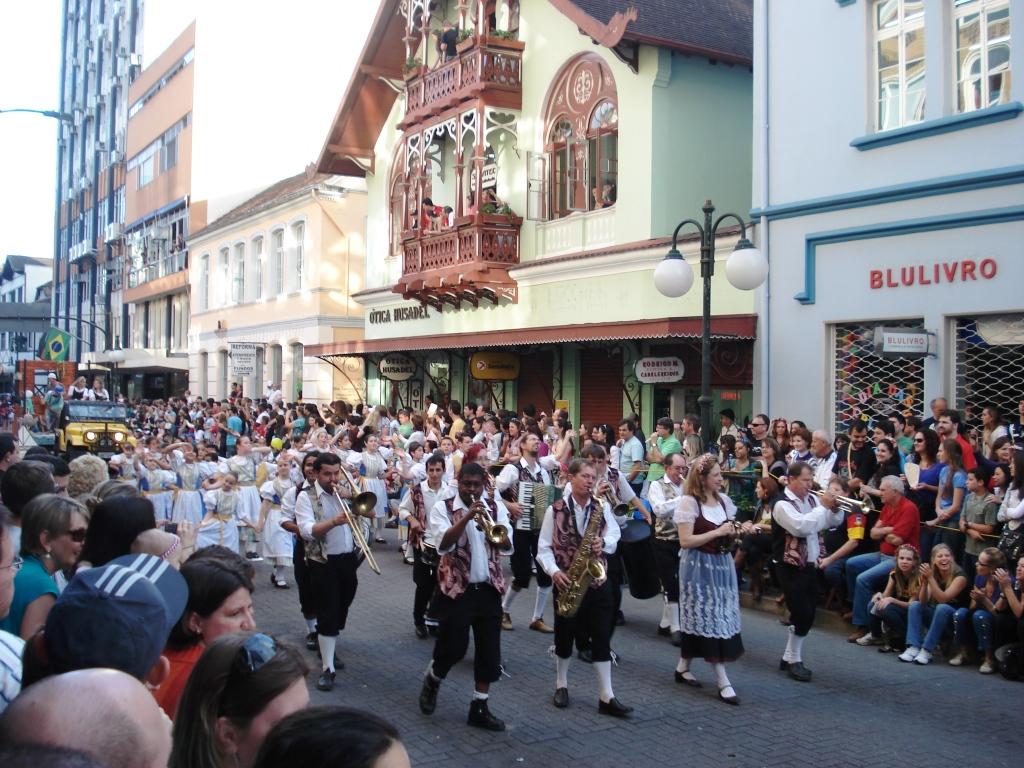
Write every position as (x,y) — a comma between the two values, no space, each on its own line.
(189,503)
(251,470)
(373,464)
(277,542)
(160,486)
(221,525)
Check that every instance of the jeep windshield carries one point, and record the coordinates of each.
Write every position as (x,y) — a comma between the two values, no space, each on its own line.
(93,410)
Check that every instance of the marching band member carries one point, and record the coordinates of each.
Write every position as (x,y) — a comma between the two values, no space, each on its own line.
(663,495)
(797,519)
(526,470)
(471,583)
(331,557)
(565,526)
(277,542)
(709,599)
(301,569)
(414,509)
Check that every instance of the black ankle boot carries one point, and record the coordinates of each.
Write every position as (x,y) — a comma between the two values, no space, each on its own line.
(428,694)
(480,716)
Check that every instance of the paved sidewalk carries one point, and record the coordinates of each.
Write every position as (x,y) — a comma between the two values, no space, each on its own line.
(863,708)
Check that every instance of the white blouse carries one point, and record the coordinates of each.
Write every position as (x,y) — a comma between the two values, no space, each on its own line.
(716,514)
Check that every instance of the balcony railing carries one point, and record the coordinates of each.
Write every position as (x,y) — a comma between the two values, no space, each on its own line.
(168,265)
(466,262)
(493,67)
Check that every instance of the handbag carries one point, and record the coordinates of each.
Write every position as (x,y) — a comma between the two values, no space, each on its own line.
(1011,543)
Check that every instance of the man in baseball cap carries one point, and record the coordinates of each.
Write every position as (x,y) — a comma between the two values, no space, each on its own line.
(118,616)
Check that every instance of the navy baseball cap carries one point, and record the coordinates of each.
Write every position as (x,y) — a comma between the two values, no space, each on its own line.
(117,616)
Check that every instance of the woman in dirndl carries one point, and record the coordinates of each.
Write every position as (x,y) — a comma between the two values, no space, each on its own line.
(249,467)
(372,463)
(709,601)
(277,542)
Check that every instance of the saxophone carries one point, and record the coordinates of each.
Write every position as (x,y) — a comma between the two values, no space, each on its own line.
(584,567)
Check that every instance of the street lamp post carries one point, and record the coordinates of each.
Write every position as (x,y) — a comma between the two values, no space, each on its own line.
(746,269)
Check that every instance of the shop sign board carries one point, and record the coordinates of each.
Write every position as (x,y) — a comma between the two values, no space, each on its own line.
(901,342)
(396,368)
(658,370)
(494,366)
(243,358)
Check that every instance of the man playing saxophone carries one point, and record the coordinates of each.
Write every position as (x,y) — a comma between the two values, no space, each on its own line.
(471,581)
(570,525)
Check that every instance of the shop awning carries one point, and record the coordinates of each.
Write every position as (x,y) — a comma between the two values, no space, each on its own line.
(722,327)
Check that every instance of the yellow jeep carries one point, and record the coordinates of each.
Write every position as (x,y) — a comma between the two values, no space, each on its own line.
(92,426)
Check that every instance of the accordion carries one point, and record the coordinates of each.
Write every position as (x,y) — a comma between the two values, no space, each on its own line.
(535,498)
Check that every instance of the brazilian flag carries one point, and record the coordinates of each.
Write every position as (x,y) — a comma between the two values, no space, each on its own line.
(55,346)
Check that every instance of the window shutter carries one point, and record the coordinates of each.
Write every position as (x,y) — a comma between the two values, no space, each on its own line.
(537,186)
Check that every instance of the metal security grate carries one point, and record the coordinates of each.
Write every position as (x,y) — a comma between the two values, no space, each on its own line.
(989,364)
(869,386)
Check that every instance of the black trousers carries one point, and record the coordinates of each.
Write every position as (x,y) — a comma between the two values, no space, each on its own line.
(594,620)
(524,555)
(334,587)
(425,579)
(666,558)
(306,604)
(479,609)
(800,588)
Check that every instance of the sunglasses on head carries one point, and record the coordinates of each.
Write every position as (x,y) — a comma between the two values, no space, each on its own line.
(257,651)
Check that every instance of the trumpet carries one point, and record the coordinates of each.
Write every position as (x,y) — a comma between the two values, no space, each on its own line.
(852,504)
(360,504)
(619,507)
(496,535)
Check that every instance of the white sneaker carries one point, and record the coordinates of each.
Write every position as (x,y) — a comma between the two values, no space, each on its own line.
(924,657)
(865,640)
(957,661)
(986,668)
(910,654)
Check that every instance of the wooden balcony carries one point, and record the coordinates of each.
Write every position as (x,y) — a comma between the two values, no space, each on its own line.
(491,70)
(468,262)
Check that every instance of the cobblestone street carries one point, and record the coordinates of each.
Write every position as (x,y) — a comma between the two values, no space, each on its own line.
(862,709)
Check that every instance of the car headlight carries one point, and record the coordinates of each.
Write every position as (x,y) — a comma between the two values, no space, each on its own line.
(118,437)
(90,435)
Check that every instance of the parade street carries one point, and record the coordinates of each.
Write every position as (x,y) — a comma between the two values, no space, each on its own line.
(862,709)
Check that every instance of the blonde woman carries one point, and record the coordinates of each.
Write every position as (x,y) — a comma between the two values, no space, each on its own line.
(87,472)
(78,389)
(890,606)
(943,590)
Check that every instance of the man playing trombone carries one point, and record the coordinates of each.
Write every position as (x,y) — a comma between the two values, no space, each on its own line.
(471,532)
(331,556)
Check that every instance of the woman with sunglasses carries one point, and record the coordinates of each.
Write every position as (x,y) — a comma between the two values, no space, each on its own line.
(52,533)
(242,686)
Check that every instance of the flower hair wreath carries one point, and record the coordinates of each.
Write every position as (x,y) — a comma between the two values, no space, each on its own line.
(704,463)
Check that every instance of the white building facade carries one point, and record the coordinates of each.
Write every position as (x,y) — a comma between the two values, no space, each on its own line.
(889,186)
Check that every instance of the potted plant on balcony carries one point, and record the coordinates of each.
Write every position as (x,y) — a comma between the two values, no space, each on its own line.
(466,40)
(411,68)
(504,38)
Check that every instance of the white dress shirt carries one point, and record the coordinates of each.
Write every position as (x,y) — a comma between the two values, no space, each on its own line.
(806,518)
(545,552)
(440,523)
(664,508)
(823,469)
(338,540)
(430,499)
(509,476)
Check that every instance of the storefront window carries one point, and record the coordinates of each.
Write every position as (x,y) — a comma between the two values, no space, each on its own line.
(869,386)
(989,365)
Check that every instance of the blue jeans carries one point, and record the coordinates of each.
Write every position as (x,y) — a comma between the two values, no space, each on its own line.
(865,575)
(895,618)
(977,626)
(939,618)
(835,576)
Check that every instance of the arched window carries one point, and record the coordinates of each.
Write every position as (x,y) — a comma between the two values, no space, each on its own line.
(581,120)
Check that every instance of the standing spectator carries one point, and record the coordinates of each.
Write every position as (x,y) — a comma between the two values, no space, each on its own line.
(943,590)
(758,431)
(978,519)
(949,500)
(727,417)
(662,443)
(17,489)
(948,427)
(113,525)
(925,455)
(10,645)
(85,473)
(242,686)
(53,530)
(54,403)
(992,427)
(937,406)
(631,456)
(689,437)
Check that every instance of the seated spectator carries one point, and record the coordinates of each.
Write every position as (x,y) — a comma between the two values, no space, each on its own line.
(19,485)
(87,472)
(842,543)
(987,622)
(53,531)
(897,524)
(113,527)
(888,619)
(241,687)
(943,590)
(10,645)
(1012,588)
(331,737)
(220,591)
(42,756)
(117,616)
(978,518)
(104,713)
(756,547)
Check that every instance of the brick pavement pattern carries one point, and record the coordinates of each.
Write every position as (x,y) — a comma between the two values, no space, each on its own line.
(863,708)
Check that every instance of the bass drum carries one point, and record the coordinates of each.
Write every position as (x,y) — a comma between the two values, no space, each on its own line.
(636,545)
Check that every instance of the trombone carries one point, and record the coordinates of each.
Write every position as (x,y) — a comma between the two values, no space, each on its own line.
(619,507)
(359,505)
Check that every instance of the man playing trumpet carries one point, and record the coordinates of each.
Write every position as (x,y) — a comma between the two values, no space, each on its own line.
(471,583)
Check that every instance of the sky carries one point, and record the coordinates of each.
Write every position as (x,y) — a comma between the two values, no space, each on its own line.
(297,65)
(30,63)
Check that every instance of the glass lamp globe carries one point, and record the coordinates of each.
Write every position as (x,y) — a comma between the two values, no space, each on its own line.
(746,268)
(673,276)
